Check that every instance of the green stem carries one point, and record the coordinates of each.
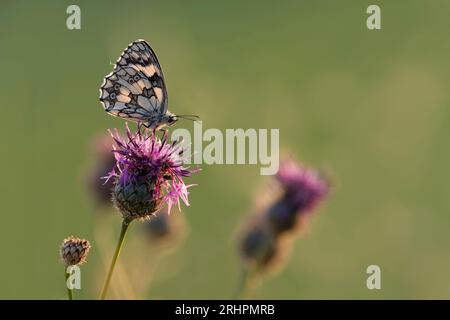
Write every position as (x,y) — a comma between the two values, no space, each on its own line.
(123,232)
(69,291)
(246,283)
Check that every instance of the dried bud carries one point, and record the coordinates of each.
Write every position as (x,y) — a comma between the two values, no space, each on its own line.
(74,251)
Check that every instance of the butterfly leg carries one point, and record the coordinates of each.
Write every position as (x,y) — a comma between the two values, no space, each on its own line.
(139,126)
(164,132)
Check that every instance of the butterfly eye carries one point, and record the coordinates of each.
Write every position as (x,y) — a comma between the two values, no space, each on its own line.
(116,86)
(136,78)
(112,95)
(171,120)
(131,80)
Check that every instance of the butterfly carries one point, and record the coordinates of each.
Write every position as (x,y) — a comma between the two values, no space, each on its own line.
(135,90)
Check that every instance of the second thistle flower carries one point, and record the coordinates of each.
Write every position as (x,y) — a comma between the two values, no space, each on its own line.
(149,172)
(302,190)
(263,242)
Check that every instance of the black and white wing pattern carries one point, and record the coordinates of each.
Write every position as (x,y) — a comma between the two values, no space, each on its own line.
(135,89)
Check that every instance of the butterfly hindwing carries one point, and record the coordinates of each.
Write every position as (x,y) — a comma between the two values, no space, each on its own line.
(135,89)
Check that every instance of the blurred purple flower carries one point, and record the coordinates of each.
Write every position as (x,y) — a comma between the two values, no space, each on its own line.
(267,236)
(149,172)
(302,190)
(303,187)
(104,161)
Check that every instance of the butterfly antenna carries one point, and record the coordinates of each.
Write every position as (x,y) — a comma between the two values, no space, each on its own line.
(190,117)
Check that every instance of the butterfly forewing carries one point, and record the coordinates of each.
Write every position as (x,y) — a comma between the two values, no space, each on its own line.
(135,89)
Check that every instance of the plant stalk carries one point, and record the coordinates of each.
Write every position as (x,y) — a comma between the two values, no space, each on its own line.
(69,291)
(123,232)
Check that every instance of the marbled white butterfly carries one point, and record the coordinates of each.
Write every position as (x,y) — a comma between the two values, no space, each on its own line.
(135,89)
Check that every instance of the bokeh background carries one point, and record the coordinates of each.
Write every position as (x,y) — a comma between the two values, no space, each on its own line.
(372,107)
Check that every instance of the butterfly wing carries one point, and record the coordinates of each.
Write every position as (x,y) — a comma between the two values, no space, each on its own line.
(135,89)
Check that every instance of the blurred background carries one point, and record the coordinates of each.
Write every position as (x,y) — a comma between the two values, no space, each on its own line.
(371,107)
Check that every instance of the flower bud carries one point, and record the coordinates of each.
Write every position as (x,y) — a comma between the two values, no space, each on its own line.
(136,198)
(74,251)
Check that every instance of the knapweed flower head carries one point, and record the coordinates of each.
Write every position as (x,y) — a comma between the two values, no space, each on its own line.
(149,172)
(267,238)
(73,251)
(302,189)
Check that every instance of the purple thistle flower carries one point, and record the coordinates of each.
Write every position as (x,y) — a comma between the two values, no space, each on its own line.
(148,173)
(302,190)
(267,236)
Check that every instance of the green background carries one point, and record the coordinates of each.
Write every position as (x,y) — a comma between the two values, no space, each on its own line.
(372,107)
